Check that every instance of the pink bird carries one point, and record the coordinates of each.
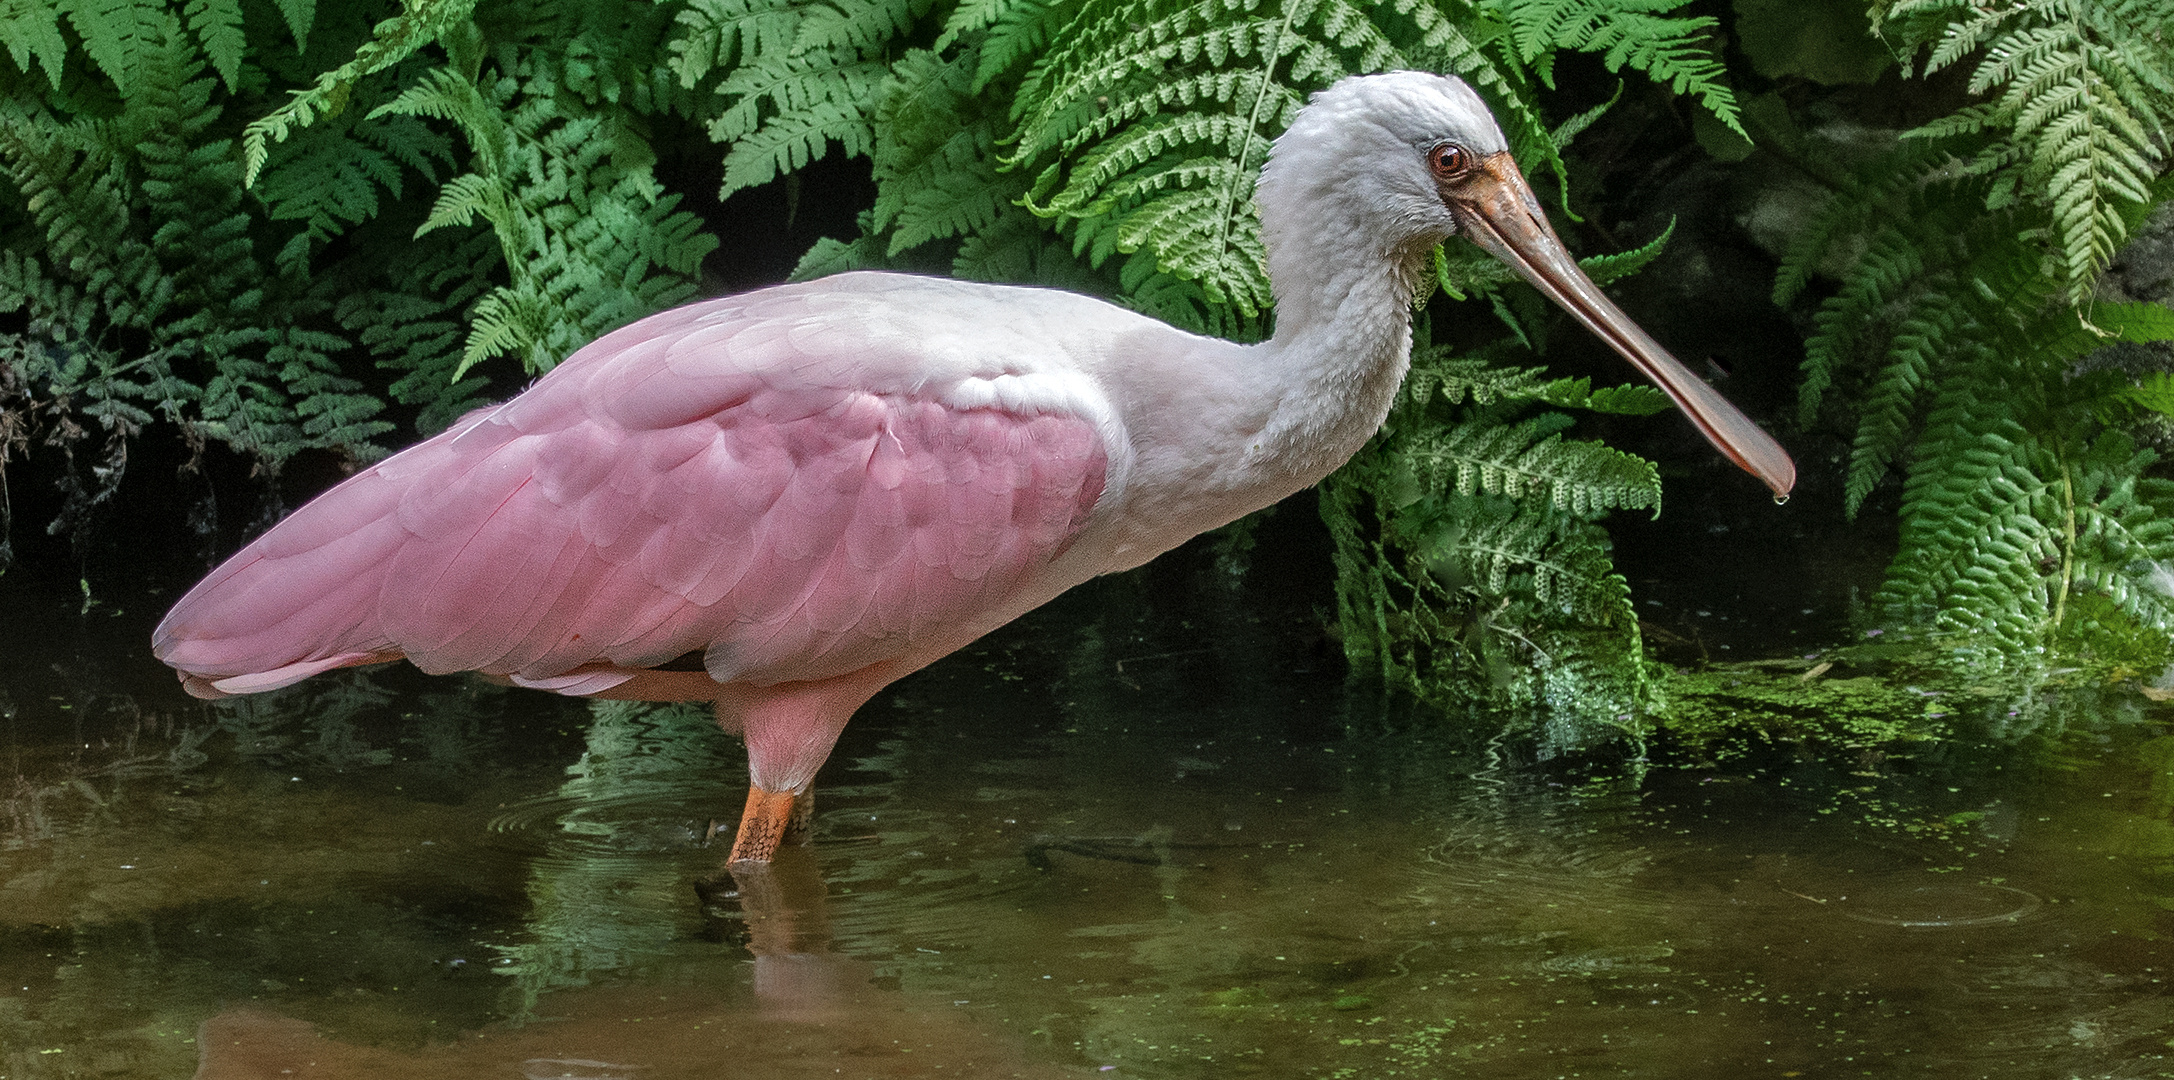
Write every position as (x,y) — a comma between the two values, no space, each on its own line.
(783,501)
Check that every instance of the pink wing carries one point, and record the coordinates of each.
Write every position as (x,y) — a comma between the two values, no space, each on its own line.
(698,480)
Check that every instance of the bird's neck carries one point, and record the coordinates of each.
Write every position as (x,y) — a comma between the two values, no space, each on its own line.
(1342,343)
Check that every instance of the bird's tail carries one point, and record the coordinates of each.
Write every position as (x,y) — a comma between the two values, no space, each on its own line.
(302,599)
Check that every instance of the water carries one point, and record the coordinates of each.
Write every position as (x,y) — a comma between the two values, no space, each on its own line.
(1145,833)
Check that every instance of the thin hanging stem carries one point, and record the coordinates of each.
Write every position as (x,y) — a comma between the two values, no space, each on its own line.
(1274,52)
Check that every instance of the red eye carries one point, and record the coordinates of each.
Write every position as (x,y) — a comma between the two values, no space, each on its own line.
(1449,159)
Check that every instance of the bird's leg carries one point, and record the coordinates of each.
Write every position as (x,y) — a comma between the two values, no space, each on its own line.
(801,828)
(763,824)
(728,719)
(790,728)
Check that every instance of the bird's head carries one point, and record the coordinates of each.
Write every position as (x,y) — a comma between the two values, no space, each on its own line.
(1364,147)
(1412,159)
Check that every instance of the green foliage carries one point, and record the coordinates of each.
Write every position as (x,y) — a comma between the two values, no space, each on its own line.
(1469,555)
(2081,89)
(215,205)
(593,242)
(1639,34)
(394,40)
(143,291)
(2030,524)
(797,75)
(341,172)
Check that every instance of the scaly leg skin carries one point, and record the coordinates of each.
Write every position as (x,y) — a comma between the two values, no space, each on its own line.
(801,829)
(769,814)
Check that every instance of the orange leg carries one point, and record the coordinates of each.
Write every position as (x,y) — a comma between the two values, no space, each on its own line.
(801,829)
(763,824)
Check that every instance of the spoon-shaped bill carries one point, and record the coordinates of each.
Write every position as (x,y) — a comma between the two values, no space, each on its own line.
(1497,211)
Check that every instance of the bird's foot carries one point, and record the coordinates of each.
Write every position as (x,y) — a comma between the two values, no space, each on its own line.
(764,824)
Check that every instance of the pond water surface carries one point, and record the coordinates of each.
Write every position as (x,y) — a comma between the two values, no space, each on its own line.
(1147,832)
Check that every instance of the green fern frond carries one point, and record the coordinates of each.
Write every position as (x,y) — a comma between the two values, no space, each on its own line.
(1014,31)
(31,31)
(420,23)
(720,35)
(1436,370)
(562,193)
(1530,460)
(1156,115)
(1482,543)
(2080,90)
(790,141)
(1630,399)
(1627,33)
(218,25)
(1977,547)
(934,161)
(330,176)
(1887,273)
(858,26)
(415,325)
(1887,414)
(1146,120)
(334,409)
(2016,504)
(117,35)
(301,16)
(1607,269)
(799,76)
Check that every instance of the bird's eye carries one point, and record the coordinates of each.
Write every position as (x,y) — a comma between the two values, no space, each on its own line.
(1449,160)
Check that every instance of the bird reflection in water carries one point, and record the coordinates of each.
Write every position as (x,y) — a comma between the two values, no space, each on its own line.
(618,978)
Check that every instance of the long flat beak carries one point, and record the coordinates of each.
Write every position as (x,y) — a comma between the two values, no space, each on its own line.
(1497,211)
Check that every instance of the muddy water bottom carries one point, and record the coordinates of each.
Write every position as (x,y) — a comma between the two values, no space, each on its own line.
(1117,840)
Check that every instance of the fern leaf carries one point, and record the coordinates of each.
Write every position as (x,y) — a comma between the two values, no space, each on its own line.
(1887,415)
(117,33)
(420,23)
(31,31)
(1531,460)
(1604,269)
(800,76)
(301,15)
(1017,29)
(2078,89)
(1192,99)
(719,35)
(218,24)
(2137,322)
(562,193)
(1458,378)
(857,26)
(830,256)
(1635,399)
(789,142)
(329,176)
(1636,34)
(934,160)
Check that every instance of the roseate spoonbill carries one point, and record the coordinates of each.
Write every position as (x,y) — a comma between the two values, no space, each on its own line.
(782,501)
